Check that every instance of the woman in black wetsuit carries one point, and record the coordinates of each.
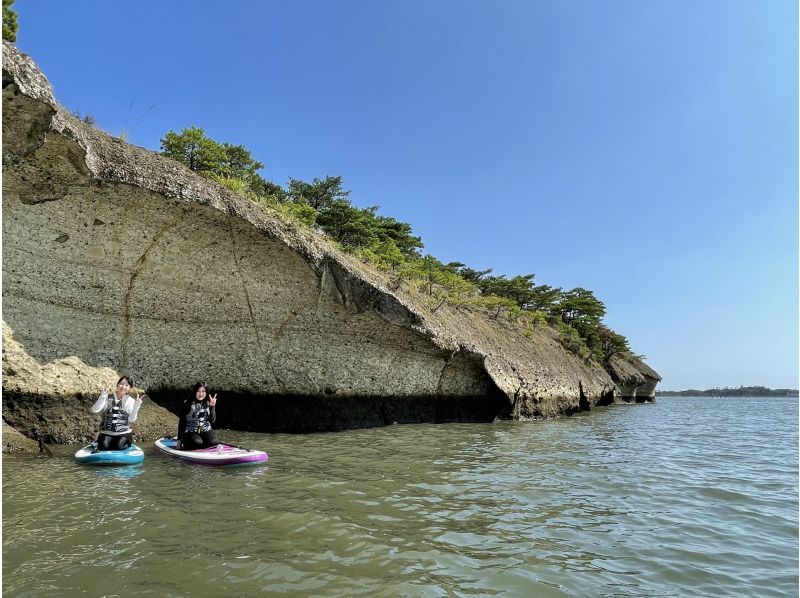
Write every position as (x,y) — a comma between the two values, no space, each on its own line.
(197,415)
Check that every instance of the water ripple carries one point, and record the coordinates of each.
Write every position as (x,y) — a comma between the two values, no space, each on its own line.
(687,497)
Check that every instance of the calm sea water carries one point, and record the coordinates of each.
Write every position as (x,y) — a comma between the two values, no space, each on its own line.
(686,497)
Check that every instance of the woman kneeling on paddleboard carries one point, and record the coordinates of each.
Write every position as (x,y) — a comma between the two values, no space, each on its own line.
(197,415)
(121,411)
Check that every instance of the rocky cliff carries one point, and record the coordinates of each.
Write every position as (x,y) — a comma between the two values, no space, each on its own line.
(118,260)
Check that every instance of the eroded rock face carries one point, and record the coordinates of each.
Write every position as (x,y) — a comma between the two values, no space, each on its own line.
(118,260)
(16,442)
(635,381)
(51,401)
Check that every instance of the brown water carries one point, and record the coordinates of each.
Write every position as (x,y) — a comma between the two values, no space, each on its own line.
(689,497)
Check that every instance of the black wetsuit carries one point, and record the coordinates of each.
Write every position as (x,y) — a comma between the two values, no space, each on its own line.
(194,427)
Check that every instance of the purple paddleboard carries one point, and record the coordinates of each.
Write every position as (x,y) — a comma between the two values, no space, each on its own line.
(222,454)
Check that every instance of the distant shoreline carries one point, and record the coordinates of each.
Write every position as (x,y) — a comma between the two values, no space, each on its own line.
(742,391)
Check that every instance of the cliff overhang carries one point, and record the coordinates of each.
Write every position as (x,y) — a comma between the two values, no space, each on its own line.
(119,260)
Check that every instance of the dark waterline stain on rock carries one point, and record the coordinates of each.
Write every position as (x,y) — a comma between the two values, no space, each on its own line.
(305,414)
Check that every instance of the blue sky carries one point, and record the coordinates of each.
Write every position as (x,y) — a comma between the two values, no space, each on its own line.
(644,149)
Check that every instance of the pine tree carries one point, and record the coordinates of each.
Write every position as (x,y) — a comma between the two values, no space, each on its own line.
(10,24)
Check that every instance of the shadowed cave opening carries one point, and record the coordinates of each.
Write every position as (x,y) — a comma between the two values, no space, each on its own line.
(607,398)
(583,402)
(305,413)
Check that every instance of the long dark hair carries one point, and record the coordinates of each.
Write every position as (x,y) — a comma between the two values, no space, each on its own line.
(197,387)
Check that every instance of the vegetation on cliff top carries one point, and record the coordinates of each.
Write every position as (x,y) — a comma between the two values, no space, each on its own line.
(10,24)
(324,206)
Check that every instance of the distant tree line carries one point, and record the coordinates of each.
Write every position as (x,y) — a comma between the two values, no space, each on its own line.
(324,205)
(742,391)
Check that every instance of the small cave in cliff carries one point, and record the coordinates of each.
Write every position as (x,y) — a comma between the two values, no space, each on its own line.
(583,402)
(607,398)
(307,414)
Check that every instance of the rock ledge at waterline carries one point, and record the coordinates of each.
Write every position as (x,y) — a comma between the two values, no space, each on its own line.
(118,260)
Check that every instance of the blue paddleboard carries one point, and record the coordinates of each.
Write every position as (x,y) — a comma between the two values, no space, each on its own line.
(132,454)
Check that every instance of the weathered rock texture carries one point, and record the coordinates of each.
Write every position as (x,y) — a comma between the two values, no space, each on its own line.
(51,401)
(635,381)
(118,260)
(15,441)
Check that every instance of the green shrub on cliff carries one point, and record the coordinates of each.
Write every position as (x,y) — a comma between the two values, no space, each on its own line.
(612,343)
(10,24)
(292,212)
(495,306)
(235,185)
(348,225)
(571,340)
(319,194)
(580,309)
(220,161)
(517,289)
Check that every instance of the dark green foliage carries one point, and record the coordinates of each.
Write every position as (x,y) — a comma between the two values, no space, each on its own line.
(467,273)
(518,288)
(579,308)
(543,297)
(347,224)
(320,194)
(265,188)
(399,233)
(10,24)
(237,163)
(582,312)
(192,148)
(218,160)
(351,226)
(611,343)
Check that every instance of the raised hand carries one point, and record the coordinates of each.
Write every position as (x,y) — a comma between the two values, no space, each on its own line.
(213,400)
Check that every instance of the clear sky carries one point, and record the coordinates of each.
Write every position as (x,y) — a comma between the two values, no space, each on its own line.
(644,149)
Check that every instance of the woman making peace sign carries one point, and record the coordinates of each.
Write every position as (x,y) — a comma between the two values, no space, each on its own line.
(196,417)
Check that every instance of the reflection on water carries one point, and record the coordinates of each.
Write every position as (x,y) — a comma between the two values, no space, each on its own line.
(118,472)
(684,497)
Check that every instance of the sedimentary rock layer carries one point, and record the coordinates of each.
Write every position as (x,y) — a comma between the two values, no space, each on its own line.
(118,260)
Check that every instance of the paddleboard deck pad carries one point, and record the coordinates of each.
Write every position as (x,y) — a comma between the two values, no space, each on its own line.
(131,455)
(222,454)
